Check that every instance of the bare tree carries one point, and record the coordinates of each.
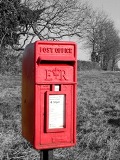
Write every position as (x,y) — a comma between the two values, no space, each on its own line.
(45,19)
(52,20)
(109,44)
(102,38)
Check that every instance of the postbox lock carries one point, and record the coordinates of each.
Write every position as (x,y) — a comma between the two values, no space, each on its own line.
(57,87)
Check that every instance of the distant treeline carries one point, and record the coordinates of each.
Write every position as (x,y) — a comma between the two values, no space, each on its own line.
(87,65)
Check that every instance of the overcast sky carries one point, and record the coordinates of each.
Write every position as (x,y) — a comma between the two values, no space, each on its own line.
(112,9)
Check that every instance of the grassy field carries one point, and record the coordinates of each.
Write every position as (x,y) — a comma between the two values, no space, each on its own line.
(98,119)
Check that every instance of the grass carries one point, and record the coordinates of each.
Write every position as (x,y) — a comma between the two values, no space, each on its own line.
(98,119)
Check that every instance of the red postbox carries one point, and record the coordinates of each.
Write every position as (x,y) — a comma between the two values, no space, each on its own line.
(49,81)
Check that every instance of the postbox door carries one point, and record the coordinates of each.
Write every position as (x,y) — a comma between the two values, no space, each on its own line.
(65,135)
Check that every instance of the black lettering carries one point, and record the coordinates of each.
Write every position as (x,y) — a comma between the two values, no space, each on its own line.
(57,50)
(70,50)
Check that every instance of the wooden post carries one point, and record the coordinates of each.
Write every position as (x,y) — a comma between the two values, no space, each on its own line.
(46,155)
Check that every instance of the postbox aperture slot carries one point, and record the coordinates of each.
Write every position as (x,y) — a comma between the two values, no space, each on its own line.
(56,111)
(40,61)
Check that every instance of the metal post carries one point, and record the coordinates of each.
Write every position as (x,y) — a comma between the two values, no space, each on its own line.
(46,154)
